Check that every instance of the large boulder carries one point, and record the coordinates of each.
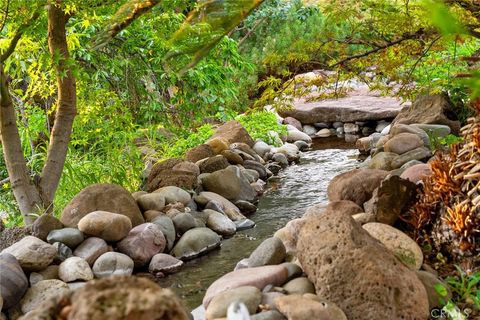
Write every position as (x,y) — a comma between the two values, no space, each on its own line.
(229,183)
(106,197)
(430,109)
(356,185)
(353,270)
(232,131)
(163,175)
(125,298)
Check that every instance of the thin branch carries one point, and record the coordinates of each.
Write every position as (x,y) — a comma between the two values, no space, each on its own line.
(7,6)
(19,34)
(405,37)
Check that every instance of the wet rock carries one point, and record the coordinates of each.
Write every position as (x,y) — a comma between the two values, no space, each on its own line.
(300,308)
(333,250)
(51,272)
(299,285)
(74,268)
(301,145)
(246,207)
(162,264)
(293,122)
(183,222)
(258,167)
(421,153)
(220,223)
(42,291)
(402,143)
(258,277)
(390,199)
(294,134)
(32,253)
(195,242)
(63,252)
(244,224)
(168,229)
(251,175)
(430,281)
(291,151)
(113,264)
(106,225)
(248,295)
(229,183)
(281,159)
(401,245)
(151,201)
(199,152)
(130,298)
(142,243)
(101,197)
(417,173)
(44,224)
(13,282)
(231,210)
(270,252)
(356,185)
(274,168)
(91,249)
(71,237)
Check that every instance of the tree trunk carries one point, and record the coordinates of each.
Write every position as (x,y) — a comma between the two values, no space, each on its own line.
(25,192)
(66,104)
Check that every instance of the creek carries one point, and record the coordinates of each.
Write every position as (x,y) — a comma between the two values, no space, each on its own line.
(301,185)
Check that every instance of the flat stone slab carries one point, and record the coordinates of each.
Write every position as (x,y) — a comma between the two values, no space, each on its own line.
(360,104)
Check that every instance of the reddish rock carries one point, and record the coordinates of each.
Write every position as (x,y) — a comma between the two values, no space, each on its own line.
(142,243)
(163,175)
(402,143)
(199,152)
(293,122)
(417,172)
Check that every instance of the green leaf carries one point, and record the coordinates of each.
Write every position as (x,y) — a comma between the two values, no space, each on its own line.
(443,19)
(441,289)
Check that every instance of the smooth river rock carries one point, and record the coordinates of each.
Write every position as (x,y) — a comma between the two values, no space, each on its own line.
(300,308)
(195,242)
(32,253)
(258,277)
(91,249)
(220,223)
(13,282)
(248,295)
(151,201)
(71,237)
(226,206)
(173,194)
(229,183)
(334,251)
(73,269)
(106,225)
(299,285)
(168,229)
(163,263)
(271,251)
(403,142)
(113,264)
(142,243)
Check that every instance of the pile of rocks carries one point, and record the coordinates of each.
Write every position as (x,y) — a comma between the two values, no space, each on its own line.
(351,131)
(106,231)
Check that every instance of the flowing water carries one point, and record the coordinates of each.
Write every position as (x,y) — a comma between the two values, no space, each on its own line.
(301,186)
